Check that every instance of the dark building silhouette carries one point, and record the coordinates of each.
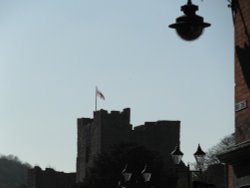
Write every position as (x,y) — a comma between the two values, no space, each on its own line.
(100,134)
(106,129)
(49,178)
(215,175)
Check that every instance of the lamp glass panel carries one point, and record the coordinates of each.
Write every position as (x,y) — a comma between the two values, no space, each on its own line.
(147,176)
(127,176)
(177,158)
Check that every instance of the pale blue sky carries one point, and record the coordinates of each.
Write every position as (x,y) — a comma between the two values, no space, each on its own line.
(54,52)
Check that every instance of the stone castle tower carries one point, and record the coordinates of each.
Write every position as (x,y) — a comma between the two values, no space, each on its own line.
(106,129)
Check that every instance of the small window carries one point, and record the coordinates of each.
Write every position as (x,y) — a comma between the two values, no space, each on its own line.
(87,154)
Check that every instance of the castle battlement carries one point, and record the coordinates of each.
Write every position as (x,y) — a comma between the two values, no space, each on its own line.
(156,124)
(84,121)
(113,114)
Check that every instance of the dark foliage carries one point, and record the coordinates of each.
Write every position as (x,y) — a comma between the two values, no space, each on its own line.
(13,173)
(107,168)
(224,144)
(212,153)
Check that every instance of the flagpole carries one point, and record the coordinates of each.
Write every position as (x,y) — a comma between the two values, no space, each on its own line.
(96,98)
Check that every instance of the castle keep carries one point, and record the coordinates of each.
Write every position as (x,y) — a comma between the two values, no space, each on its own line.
(106,129)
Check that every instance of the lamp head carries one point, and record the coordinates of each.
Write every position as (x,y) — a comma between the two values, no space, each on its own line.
(146,174)
(126,174)
(177,155)
(189,26)
(199,156)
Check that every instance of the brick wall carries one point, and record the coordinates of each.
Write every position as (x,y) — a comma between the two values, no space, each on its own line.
(242,77)
(242,70)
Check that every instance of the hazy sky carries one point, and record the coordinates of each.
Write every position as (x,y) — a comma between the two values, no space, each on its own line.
(54,52)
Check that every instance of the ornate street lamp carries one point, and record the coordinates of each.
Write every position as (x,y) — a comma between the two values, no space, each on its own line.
(126,174)
(189,26)
(146,174)
(199,156)
(127,180)
(177,155)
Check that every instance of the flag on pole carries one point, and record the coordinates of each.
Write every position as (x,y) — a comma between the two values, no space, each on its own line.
(99,94)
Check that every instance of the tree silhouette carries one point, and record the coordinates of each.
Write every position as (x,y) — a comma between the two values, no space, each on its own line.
(107,168)
(13,172)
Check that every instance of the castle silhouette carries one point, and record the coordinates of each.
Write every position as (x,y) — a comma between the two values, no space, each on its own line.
(98,134)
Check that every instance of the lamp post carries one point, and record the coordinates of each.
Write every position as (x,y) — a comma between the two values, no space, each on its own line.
(133,179)
(189,26)
(199,157)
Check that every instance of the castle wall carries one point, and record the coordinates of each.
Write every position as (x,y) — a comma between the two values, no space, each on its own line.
(83,130)
(49,178)
(160,136)
(115,128)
